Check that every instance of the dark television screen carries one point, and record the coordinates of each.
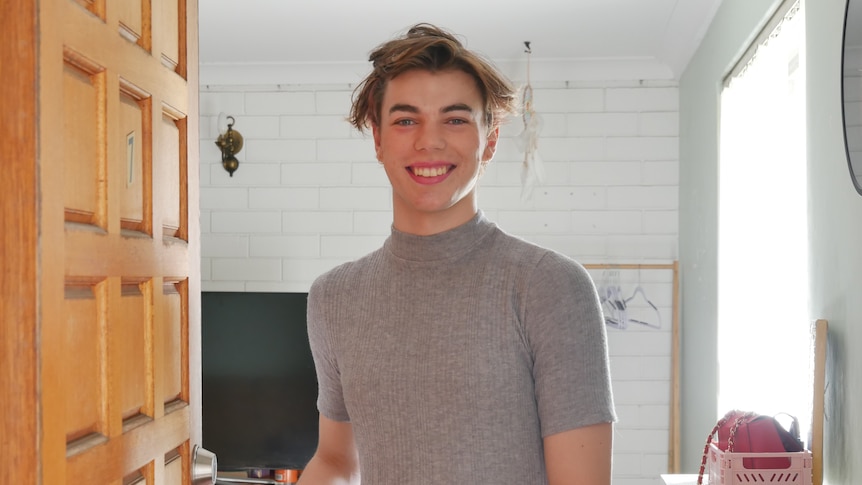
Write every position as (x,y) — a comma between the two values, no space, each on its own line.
(259,384)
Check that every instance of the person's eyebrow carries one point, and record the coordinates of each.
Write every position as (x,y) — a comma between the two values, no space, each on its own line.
(457,107)
(409,108)
(403,107)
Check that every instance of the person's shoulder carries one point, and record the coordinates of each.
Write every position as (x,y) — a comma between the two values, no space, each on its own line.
(525,249)
(344,273)
(535,259)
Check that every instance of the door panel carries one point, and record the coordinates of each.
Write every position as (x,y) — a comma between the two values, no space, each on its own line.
(174,471)
(168,30)
(132,341)
(173,331)
(134,117)
(83,93)
(171,131)
(135,18)
(119,254)
(84,378)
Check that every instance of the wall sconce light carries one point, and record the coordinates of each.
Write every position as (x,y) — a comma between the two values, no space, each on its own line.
(230,143)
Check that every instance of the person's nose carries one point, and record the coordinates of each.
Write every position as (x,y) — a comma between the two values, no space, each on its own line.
(430,137)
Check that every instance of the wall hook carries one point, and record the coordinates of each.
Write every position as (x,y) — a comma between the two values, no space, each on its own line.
(230,143)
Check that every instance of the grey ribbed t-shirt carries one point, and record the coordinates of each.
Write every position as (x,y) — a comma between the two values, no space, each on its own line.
(453,355)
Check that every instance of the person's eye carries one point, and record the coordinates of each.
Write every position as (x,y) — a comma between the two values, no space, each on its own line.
(458,121)
(404,122)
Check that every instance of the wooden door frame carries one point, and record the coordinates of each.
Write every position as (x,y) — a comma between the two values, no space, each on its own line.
(18,243)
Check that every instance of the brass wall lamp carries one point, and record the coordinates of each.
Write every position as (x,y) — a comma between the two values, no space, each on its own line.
(230,143)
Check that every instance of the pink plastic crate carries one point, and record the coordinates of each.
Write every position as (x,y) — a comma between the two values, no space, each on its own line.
(726,468)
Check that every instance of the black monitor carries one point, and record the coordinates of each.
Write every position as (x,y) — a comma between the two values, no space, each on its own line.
(259,384)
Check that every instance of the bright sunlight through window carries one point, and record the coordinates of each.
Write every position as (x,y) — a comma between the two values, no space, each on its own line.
(763,323)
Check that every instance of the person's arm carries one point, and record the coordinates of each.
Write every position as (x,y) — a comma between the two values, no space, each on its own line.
(580,456)
(335,462)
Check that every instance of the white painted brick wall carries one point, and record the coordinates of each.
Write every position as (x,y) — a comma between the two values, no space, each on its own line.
(309,195)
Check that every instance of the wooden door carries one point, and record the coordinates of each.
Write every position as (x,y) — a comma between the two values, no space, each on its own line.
(107,308)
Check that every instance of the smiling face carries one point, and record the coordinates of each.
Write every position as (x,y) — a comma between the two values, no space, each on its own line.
(433,143)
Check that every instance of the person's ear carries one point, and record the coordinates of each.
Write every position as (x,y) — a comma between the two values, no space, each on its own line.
(375,131)
(491,145)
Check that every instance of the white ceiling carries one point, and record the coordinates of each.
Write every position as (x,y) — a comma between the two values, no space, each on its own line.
(288,39)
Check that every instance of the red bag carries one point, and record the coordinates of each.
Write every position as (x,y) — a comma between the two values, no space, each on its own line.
(746,432)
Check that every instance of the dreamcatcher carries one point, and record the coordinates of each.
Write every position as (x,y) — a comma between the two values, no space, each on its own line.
(532,172)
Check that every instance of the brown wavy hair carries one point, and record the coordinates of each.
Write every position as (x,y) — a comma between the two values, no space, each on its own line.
(431,48)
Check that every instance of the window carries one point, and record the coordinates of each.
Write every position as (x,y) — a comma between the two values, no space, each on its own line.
(763,315)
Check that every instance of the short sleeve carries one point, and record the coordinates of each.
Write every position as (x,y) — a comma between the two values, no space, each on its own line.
(330,397)
(568,341)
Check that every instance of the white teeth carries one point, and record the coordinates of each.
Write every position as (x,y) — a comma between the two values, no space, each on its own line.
(430,171)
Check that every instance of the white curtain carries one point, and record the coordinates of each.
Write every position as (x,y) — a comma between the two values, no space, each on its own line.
(763,316)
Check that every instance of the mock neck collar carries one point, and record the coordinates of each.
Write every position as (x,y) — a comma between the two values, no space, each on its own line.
(449,244)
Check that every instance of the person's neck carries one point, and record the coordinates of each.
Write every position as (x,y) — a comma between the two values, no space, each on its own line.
(431,224)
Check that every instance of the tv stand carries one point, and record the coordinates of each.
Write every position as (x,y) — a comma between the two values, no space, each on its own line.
(278,477)
(267,481)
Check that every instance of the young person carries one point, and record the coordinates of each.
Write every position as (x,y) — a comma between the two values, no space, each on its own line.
(455,353)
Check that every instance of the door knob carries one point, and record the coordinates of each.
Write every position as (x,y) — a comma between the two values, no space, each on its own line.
(204,468)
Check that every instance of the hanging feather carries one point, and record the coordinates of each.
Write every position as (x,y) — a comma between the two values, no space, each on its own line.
(532,171)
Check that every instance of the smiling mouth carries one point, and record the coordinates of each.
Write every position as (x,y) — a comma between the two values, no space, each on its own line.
(430,171)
